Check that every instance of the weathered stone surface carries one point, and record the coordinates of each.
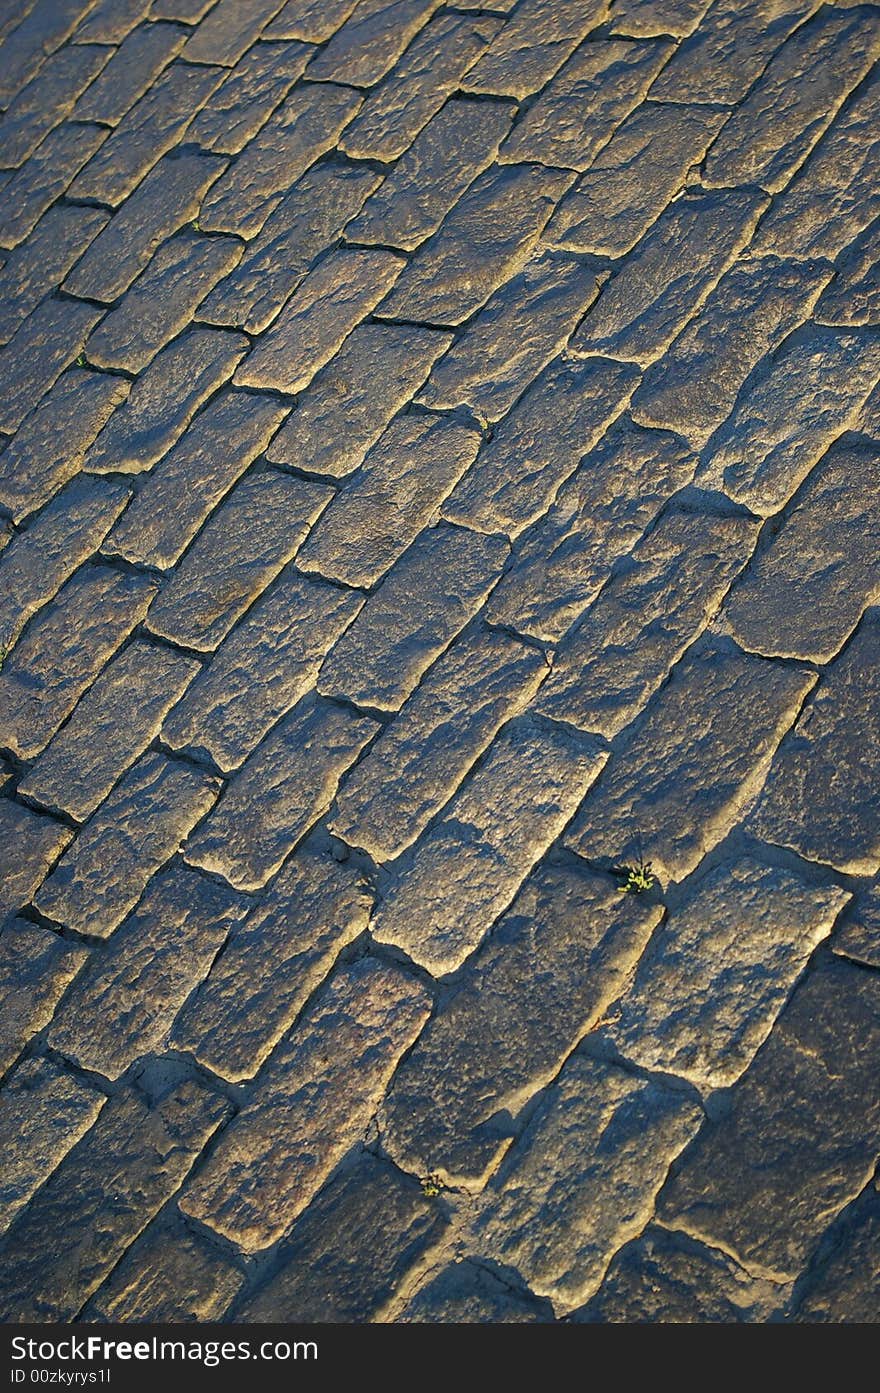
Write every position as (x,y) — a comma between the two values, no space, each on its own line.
(46,175)
(43,1113)
(30,844)
(813,389)
(561,563)
(644,619)
(169,1275)
(854,295)
(351,401)
(670,274)
(36,967)
(799,1140)
(229,30)
(682,778)
(184,488)
(138,1155)
(313,1103)
(62,652)
(535,449)
(633,178)
(486,238)
(396,492)
(242,547)
(109,21)
(846,1289)
(273,964)
(562,953)
(753,308)
(187,11)
(304,128)
(280,791)
(466,869)
(46,100)
(35,357)
(583,1178)
(465,1293)
(39,33)
(313,20)
(427,598)
(370,41)
(645,19)
(716,975)
(132,70)
(124,1002)
(532,45)
(729,50)
(523,326)
(36,267)
(821,794)
(112,725)
(806,592)
(269,661)
(251,92)
(585,103)
(420,759)
(859,935)
(139,827)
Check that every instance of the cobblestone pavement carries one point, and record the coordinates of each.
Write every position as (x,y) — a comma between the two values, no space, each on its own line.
(440,474)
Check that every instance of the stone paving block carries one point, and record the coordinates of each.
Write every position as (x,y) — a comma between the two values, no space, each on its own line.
(239,551)
(350,1251)
(130,73)
(429,72)
(559,565)
(821,794)
(111,727)
(268,662)
(522,326)
(717,973)
(350,402)
(50,446)
(36,966)
(137,1154)
(420,759)
(756,304)
(585,103)
(47,174)
(312,1105)
(258,83)
(123,1003)
(34,358)
(62,652)
(306,222)
(812,391)
(681,779)
(672,271)
(799,1140)
(312,20)
(109,21)
(795,100)
(305,127)
(46,100)
(729,50)
(280,791)
(858,936)
(43,1113)
(169,1275)
(486,238)
(30,844)
(465,1293)
(853,297)
(12,13)
(396,492)
(633,178)
(370,41)
(137,829)
(424,602)
(187,11)
(228,30)
(562,953)
(644,619)
(646,19)
(533,45)
(537,447)
(845,1290)
(465,870)
(274,962)
(583,1178)
(181,492)
(40,33)
(40,263)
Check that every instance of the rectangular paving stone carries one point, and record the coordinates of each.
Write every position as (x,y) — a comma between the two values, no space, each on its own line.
(35,357)
(313,20)
(858,936)
(45,177)
(644,619)
(579,111)
(130,73)
(305,127)
(557,960)
(182,490)
(40,263)
(682,777)
(350,402)
(650,18)
(109,21)
(111,727)
(370,41)
(584,1178)
(273,963)
(853,297)
(36,967)
(170,1274)
(672,271)
(419,760)
(46,100)
(313,1103)
(465,870)
(30,844)
(487,237)
(533,45)
(228,30)
(40,32)
(137,829)
(258,83)
(280,791)
(423,603)
(137,1153)
(729,50)
(241,548)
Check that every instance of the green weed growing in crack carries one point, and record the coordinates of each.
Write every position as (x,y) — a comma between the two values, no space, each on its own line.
(81,361)
(637,879)
(432,1185)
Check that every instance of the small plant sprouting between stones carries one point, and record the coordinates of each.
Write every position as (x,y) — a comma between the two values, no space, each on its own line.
(432,1186)
(635,880)
(3,655)
(81,361)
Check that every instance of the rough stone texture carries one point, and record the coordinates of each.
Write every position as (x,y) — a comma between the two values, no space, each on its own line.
(465,1293)
(648,18)
(371,39)
(30,844)
(170,1275)
(682,777)
(39,33)
(46,100)
(255,87)
(533,45)
(846,1289)
(729,50)
(36,967)
(130,73)
(313,20)
(229,30)
(312,1104)
(46,175)
(35,357)
(859,935)
(854,295)
(41,263)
